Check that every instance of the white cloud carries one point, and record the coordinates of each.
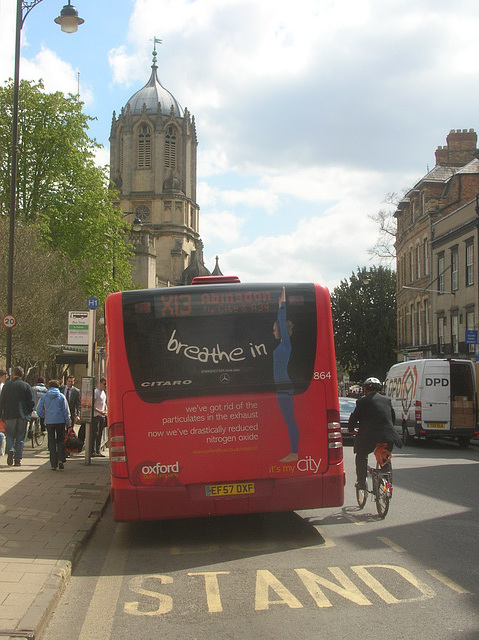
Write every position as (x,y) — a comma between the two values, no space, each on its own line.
(324,249)
(212,161)
(102,157)
(220,227)
(56,74)
(125,66)
(7,38)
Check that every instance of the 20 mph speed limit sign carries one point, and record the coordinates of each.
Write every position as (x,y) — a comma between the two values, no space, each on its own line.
(9,321)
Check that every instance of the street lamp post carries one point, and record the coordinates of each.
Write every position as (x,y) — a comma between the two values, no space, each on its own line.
(69,21)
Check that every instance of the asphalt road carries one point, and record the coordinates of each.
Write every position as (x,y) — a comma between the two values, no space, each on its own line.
(331,573)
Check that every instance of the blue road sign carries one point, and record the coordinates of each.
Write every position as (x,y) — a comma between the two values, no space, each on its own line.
(92,303)
(471,336)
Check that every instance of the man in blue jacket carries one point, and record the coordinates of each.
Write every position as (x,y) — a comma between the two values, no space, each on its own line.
(16,405)
(53,406)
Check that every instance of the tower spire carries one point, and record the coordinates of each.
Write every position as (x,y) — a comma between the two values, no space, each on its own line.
(154,52)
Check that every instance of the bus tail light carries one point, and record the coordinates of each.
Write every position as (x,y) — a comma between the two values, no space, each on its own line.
(418,412)
(118,464)
(335,442)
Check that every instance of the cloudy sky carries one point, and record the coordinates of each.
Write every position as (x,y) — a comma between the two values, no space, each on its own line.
(308,113)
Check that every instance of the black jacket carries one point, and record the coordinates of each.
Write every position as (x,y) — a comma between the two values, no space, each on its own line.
(73,401)
(16,399)
(374,418)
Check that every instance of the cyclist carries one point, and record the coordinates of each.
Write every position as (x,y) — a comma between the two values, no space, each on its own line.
(373,421)
(38,391)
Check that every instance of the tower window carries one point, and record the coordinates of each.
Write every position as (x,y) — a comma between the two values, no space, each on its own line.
(144,147)
(170,147)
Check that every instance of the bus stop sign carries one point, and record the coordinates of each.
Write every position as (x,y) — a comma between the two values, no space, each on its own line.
(92,303)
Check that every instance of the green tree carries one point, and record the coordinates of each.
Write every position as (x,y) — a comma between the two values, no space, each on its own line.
(45,290)
(364,319)
(61,189)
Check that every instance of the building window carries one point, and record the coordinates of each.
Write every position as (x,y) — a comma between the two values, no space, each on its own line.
(470,326)
(142,212)
(454,270)
(413,327)
(419,324)
(144,147)
(440,273)
(440,334)
(418,261)
(426,258)
(426,320)
(469,264)
(411,265)
(454,333)
(170,147)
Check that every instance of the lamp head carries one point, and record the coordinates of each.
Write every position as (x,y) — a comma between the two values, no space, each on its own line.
(136,224)
(68,19)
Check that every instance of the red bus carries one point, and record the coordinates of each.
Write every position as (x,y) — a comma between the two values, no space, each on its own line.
(222,399)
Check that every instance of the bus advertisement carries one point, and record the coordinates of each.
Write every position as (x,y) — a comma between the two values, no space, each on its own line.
(222,399)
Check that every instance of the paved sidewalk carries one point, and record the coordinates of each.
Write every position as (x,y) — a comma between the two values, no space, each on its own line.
(46,519)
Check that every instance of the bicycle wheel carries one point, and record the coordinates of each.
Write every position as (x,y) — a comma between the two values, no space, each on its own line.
(30,433)
(37,431)
(382,497)
(361,497)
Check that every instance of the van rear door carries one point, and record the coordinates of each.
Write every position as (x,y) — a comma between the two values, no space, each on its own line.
(436,396)
(463,409)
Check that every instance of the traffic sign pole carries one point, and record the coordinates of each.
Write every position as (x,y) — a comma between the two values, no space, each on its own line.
(92,304)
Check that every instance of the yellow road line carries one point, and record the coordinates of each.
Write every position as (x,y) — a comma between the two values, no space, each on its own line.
(391,544)
(446,581)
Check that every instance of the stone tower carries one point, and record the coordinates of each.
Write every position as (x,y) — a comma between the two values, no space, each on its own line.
(153,165)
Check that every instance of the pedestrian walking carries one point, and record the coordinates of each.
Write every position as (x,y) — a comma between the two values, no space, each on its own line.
(99,419)
(38,390)
(53,406)
(3,378)
(72,394)
(16,406)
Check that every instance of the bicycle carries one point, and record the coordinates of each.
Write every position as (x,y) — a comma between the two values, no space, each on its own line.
(379,483)
(35,431)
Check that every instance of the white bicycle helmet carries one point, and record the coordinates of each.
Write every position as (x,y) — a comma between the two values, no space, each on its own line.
(372,384)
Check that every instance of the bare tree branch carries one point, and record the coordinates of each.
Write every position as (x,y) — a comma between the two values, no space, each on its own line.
(384,248)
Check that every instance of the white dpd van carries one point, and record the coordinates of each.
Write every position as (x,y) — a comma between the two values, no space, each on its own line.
(434,398)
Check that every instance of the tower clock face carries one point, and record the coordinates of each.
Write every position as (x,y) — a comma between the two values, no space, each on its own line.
(143,212)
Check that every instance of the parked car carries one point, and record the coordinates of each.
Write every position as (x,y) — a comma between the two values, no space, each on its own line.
(346,407)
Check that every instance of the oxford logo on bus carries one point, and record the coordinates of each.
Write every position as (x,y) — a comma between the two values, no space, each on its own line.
(165,383)
(160,469)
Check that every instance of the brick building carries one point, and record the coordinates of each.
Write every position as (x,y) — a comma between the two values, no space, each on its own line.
(436,249)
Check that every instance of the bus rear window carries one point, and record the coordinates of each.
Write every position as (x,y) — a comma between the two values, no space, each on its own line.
(215,340)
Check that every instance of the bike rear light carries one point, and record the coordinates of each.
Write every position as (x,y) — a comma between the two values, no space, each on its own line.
(116,434)
(335,442)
